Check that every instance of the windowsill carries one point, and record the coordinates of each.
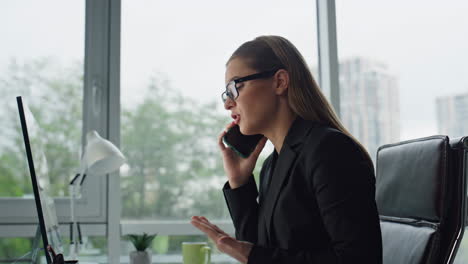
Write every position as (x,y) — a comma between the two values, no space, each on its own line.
(158,259)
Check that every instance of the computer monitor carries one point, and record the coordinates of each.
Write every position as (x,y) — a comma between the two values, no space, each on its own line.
(37,161)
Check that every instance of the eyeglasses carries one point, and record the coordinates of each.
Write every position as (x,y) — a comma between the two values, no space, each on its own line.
(232,89)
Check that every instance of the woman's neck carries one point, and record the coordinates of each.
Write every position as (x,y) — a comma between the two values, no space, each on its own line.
(279,129)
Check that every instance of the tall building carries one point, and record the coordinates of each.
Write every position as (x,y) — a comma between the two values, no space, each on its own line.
(452,115)
(369,101)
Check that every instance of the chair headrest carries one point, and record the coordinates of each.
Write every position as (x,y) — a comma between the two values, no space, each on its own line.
(411,178)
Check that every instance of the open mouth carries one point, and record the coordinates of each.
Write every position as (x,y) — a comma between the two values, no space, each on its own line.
(236,118)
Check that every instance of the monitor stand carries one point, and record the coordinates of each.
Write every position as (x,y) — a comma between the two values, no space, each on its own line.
(36,246)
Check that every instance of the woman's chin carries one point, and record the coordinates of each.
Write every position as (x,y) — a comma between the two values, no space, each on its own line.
(246,131)
(243,130)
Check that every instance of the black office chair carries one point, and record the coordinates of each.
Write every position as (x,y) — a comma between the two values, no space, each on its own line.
(420,194)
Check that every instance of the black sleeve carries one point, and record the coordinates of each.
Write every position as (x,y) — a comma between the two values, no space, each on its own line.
(243,207)
(344,186)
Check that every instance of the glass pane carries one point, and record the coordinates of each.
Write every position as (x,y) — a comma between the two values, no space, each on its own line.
(403,69)
(41,60)
(173,63)
(15,249)
(93,249)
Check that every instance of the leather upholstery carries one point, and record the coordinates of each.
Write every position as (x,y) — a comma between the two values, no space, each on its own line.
(418,194)
(411,238)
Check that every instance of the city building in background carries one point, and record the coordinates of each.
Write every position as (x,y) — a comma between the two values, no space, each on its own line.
(369,101)
(452,113)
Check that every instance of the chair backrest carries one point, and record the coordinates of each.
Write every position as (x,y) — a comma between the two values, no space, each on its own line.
(420,195)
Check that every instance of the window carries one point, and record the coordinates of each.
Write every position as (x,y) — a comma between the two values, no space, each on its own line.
(173,63)
(42,59)
(402,69)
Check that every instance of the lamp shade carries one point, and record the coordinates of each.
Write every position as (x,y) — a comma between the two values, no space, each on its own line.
(101,156)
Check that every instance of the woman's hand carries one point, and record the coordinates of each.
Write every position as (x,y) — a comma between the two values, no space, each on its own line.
(239,250)
(238,169)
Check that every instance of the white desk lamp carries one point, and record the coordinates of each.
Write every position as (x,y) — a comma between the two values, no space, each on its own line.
(100,158)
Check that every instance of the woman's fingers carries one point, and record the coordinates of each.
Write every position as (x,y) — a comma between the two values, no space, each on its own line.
(209,231)
(213,226)
(233,123)
(220,140)
(204,219)
(223,241)
(220,136)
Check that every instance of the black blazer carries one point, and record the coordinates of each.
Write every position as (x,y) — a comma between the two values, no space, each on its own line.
(319,207)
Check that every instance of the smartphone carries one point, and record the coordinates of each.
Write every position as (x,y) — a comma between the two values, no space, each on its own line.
(242,144)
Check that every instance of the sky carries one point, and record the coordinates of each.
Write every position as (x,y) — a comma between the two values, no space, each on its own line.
(423,43)
(188,42)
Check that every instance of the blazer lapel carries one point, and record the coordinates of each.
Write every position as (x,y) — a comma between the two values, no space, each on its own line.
(291,147)
(283,164)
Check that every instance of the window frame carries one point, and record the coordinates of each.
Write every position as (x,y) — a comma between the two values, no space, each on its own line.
(328,76)
(91,208)
(99,209)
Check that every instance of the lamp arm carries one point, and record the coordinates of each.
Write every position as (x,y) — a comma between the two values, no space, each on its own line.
(75,189)
(73,242)
(82,179)
(75,179)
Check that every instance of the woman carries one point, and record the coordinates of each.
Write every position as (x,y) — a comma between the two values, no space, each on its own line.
(316,197)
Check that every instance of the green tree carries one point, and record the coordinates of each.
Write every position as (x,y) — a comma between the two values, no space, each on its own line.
(175,168)
(170,144)
(54,95)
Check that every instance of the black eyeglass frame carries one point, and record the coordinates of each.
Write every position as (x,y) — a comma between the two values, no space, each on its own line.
(226,94)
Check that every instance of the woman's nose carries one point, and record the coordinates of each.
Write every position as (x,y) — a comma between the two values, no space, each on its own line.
(229,103)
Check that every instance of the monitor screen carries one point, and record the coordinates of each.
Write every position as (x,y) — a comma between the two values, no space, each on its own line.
(37,161)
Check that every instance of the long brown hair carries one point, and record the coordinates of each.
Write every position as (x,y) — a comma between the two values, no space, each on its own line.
(304,95)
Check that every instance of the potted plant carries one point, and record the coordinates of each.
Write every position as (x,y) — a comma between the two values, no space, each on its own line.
(141,243)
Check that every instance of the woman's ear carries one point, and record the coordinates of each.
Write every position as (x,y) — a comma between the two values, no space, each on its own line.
(282,82)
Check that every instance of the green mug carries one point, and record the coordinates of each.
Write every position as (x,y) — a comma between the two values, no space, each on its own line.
(196,253)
